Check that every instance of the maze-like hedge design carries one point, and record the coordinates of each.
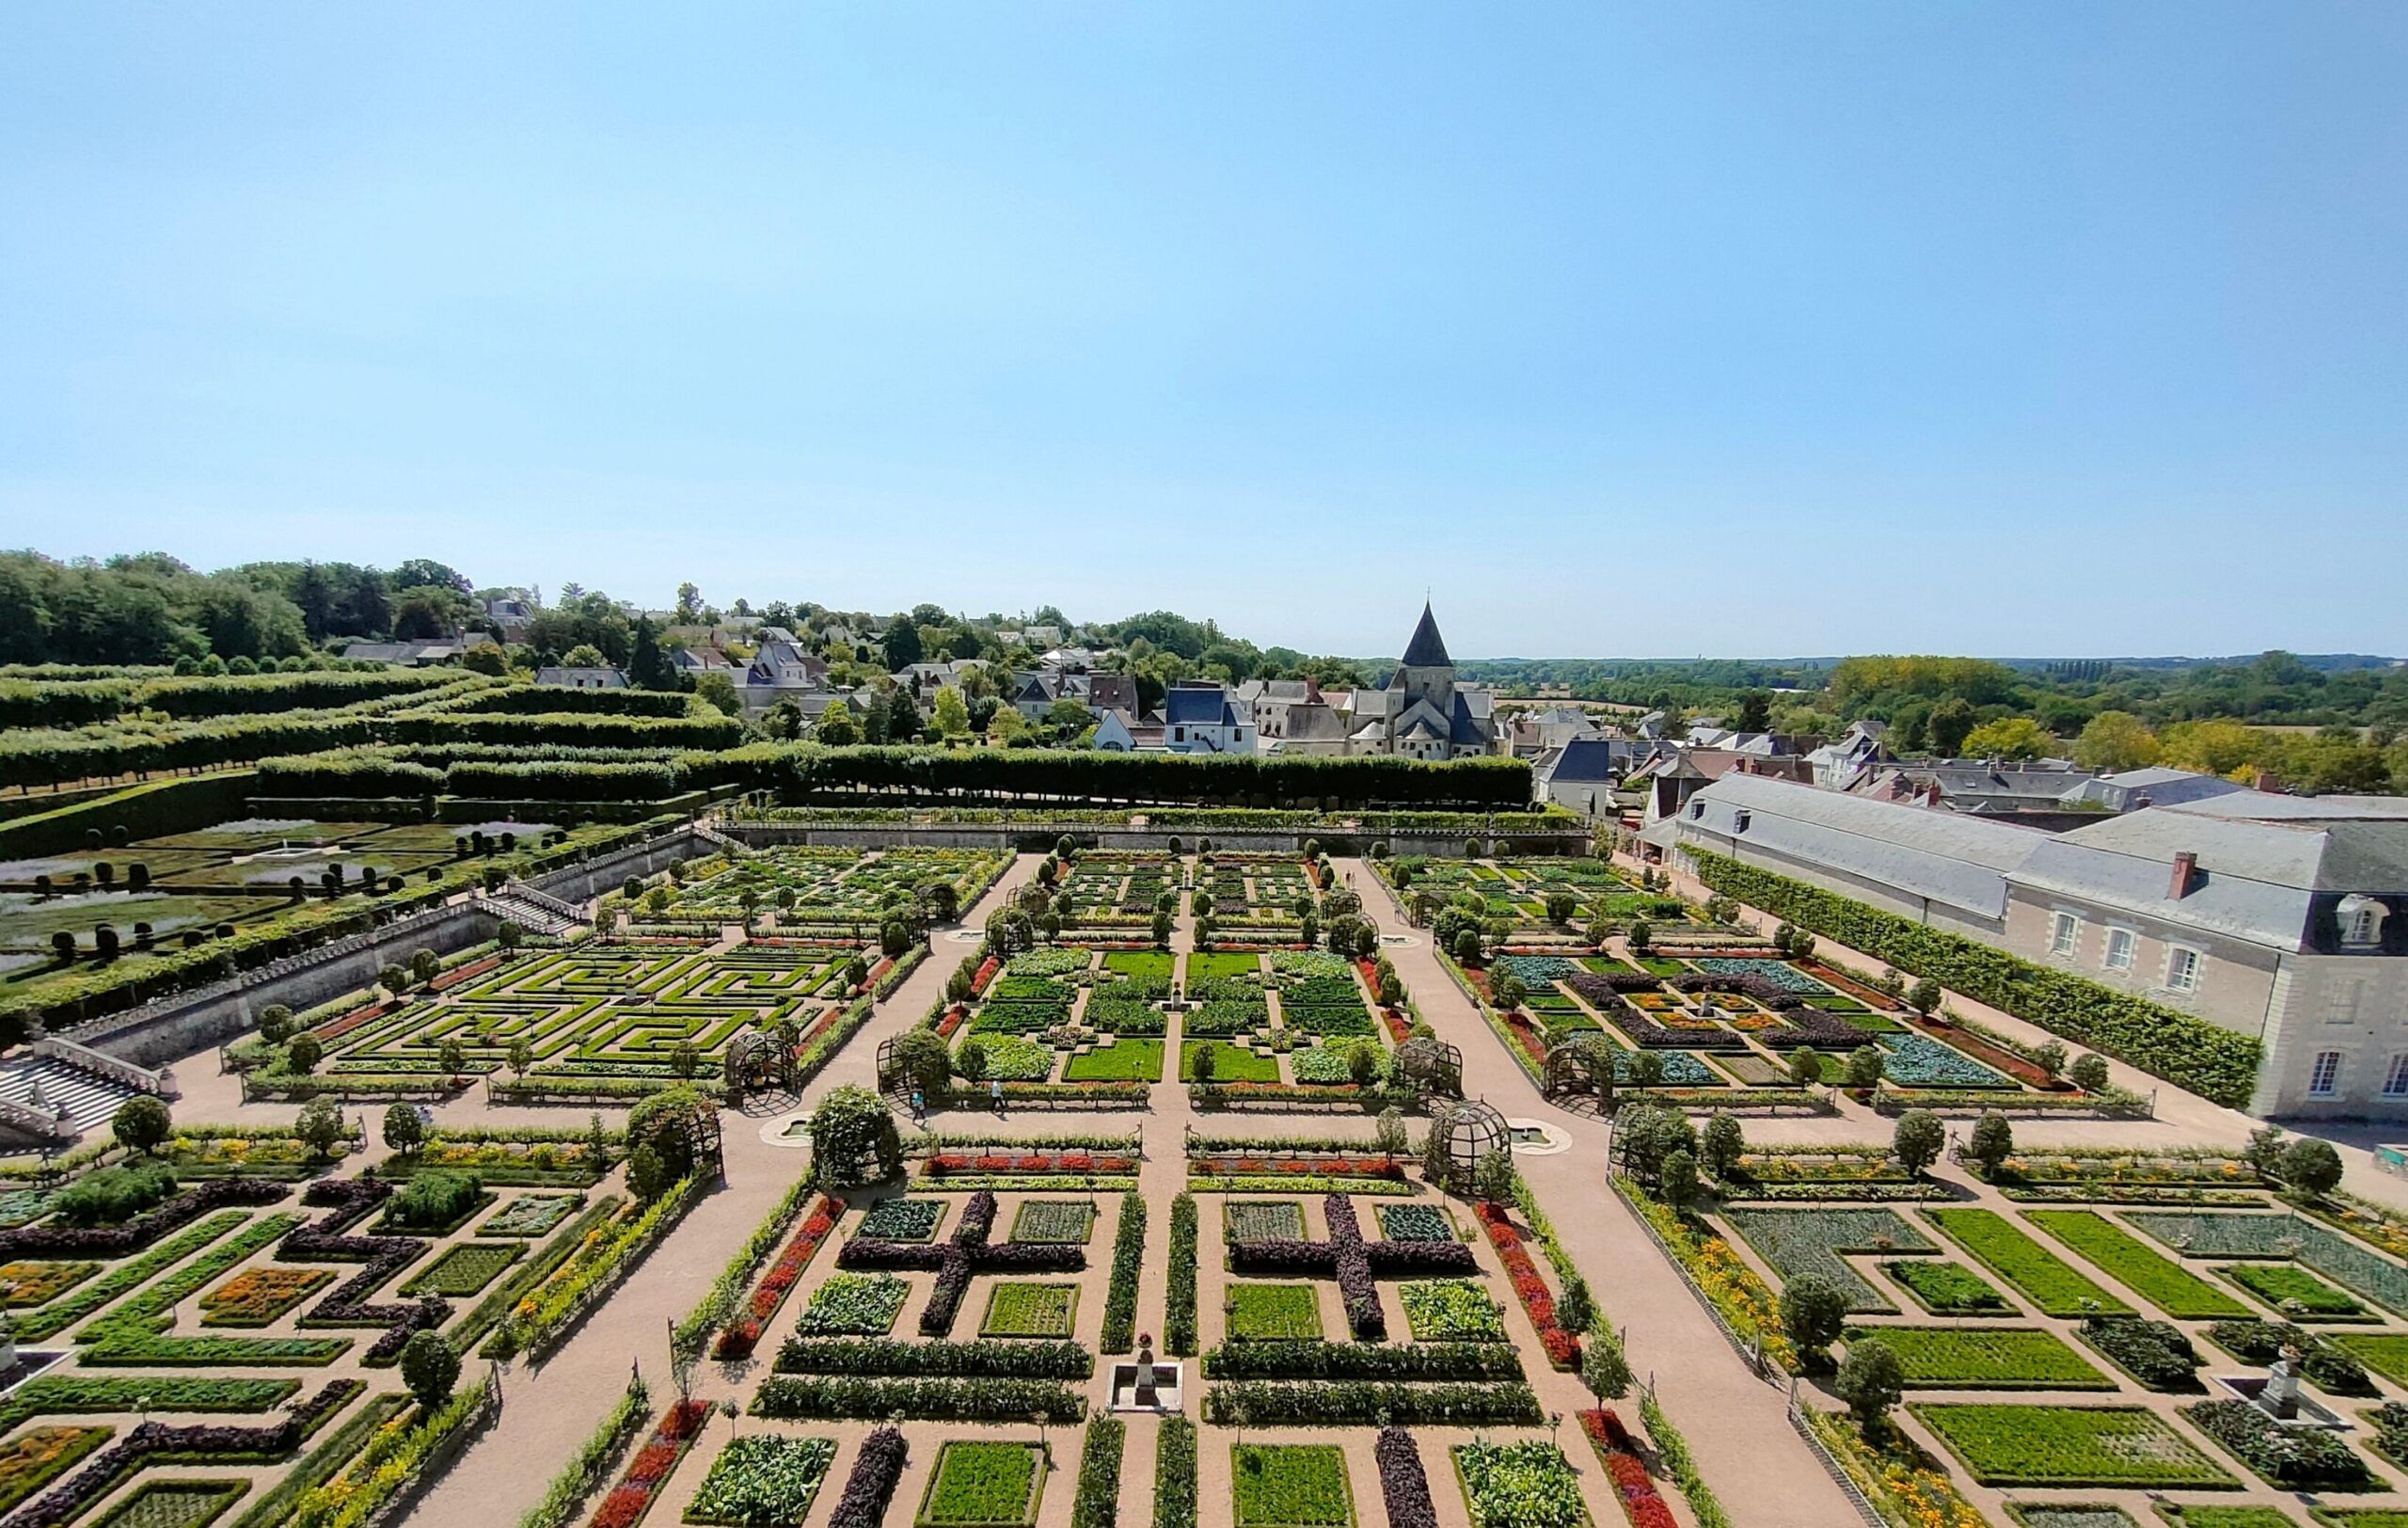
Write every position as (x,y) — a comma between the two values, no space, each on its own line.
(587,1013)
(829,888)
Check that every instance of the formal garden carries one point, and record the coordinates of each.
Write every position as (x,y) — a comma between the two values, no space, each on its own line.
(236,1325)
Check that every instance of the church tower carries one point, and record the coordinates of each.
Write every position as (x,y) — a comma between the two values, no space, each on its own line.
(1427,673)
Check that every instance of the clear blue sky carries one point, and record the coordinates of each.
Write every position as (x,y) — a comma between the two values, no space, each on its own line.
(1655,329)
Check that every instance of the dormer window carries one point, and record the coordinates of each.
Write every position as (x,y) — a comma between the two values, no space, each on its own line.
(1739,823)
(2361,919)
(1697,811)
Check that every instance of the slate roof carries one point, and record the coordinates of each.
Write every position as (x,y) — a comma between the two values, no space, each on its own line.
(1960,861)
(1427,649)
(1198,705)
(1464,728)
(1583,759)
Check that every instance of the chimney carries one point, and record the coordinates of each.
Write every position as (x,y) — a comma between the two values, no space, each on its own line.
(2186,865)
(2267,781)
(2141,803)
(1933,795)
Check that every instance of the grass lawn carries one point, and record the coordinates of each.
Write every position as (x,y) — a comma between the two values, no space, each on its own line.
(1141,964)
(1984,1358)
(1123,1061)
(2048,1280)
(1274,1312)
(2159,1280)
(983,1485)
(1295,1485)
(1946,1288)
(1030,1310)
(1207,965)
(2279,1284)
(2070,1446)
(1229,1062)
(2384,1352)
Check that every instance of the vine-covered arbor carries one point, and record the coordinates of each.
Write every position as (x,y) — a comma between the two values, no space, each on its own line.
(1431,1065)
(1473,1133)
(1578,1065)
(760,1060)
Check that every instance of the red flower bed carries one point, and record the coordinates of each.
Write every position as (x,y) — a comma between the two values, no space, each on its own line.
(1532,1041)
(738,1339)
(986,973)
(337,1028)
(1071,1162)
(1562,1347)
(1641,1500)
(463,973)
(877,971)
(952,1018)
(1336,1167)
(631,1497)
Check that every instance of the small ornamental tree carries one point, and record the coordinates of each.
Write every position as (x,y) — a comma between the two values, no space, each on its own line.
(1864,1065)
(303,1056)
(276,1024)
(2050,1057)
(685,1059)
(1917,1140)
(1720,1145)
(1678,1179)
(1560,905)
(1641,935)
(142,1123)
(394,978)
(894,938)
(2089,1072)
(1200,1062)
(1389,1135)
(319,1127)
(1870,1380)
(1467,948)
(404,1132)
(854,1140)
(857,973)
(425,966)
(1813,1312)
(1494,1177)
(2264,1152)
(1603,1369)
(649,1175)
(1805,1066)
(522,1055)
(1924,996)
(1505,990)
(1436,1164)
(1363,1062)
(2312,1167)
(430,1368)
(1991,1143)
(1646,1070)
(451,1057)
(1577,1309)
(920,1058)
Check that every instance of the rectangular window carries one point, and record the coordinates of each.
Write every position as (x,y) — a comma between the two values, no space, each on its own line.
(2395,1082)
(2119,950)
(2064,934)
(2325,1075)
(2182,970)
(2342,1000)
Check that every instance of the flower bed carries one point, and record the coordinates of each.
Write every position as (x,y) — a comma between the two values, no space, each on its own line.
(1030,1310)
(39,1455)
(889,1358)
(867,1489)
(1743,1300)
(762,1479)
(2070,1445)
(2038,1274)
(1061,1223)
(1984,1358)
(744,1335)
(1812,1241)
(530,1214)
(1025,1164)
(854,1305)
(1450,1311)
(257,1297)
(1289,1486)
(1527,1485)
(983,1485)
(930,1399)
(632,1497)
(1272,1312)
(38,1284)
(2293,1458)
(903,1220)
(1619,1452)
(1562,1347)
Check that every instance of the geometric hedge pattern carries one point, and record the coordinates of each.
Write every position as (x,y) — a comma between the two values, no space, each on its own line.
(601,1014)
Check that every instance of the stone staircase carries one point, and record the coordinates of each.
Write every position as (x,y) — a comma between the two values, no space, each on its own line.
(49,1084)
(539,912)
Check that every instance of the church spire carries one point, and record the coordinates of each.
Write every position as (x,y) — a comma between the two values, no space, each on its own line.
(1427,649)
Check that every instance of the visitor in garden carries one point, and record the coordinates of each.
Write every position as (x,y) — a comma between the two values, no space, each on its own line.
(919,1108)
(995,1093)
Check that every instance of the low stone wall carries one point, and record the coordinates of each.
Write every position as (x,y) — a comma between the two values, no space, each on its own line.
(583,882)
(165,1035)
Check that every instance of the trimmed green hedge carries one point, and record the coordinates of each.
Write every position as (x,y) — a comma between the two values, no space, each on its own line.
(2216,1063)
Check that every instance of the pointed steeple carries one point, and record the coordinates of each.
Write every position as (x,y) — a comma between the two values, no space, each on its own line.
(1427,649)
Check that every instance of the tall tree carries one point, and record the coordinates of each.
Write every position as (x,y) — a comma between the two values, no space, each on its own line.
(902,645)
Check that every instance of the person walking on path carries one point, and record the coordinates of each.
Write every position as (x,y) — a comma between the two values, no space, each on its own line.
(995,1094)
